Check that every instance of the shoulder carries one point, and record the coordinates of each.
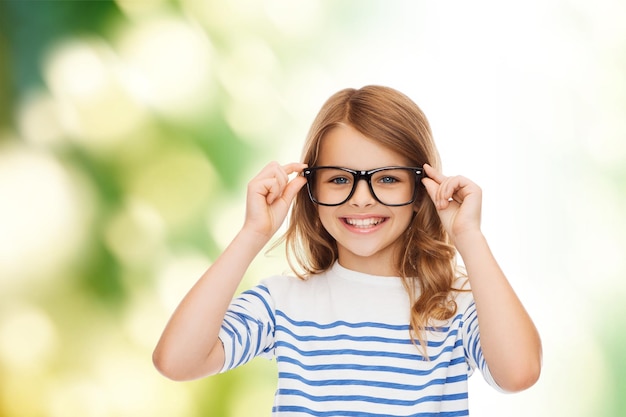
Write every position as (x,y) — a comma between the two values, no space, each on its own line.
(289,293)
(462,294)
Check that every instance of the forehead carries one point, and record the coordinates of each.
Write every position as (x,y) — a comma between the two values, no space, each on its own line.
(345,146)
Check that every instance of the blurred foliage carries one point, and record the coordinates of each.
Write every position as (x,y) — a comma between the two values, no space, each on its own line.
(30,28)
(128,129)
(121,164)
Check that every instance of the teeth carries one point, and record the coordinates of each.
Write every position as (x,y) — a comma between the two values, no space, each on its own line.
(364,222)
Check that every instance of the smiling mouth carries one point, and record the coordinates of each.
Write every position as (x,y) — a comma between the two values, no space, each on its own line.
(364,223)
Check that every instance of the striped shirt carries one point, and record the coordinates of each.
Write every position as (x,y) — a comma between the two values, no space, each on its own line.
(342,346)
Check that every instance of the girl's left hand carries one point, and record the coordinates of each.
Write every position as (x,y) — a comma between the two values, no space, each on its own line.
(457,199)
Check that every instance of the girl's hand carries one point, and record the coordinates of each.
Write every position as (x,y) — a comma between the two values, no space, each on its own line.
(269,197)
(458,201)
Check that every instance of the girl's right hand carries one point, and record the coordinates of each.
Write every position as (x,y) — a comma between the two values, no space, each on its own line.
(269,197)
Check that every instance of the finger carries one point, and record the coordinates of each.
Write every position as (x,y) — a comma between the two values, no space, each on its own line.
(267,182)
(439,193)
(448,191)
(292,188)
(438,187)
(457,189)
(278,172)
(267,170)
(434,174)
(296,183)
(279,185)
(269,188)
(432,182)
(294,167)
(282,173)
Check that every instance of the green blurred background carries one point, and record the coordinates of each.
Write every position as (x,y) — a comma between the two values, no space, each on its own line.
(129,128)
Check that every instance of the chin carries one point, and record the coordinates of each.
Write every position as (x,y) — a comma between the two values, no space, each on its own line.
(364,253)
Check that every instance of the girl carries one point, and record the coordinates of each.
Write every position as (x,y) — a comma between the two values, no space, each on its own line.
(378,322)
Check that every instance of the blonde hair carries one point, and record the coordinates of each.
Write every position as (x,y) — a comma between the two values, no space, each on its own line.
(427,262)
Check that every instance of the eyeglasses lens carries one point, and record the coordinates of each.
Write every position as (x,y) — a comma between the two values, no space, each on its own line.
(333,186)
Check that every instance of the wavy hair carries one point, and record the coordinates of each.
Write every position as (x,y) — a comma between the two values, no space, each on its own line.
(426,263)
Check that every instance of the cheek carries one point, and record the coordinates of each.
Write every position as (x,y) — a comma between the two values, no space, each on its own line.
(325,216)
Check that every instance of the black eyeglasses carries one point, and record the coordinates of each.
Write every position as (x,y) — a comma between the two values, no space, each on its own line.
(391,186)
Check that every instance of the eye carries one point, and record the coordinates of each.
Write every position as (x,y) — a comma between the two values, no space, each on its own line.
(388,179)
(340,180)
(392,176)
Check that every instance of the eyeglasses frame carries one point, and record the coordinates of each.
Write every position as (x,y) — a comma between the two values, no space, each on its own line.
(365,175)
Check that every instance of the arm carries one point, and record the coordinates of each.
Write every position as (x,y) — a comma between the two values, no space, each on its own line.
(509,339)
(189,347)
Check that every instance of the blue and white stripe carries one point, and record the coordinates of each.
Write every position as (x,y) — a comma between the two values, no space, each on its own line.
(342,345)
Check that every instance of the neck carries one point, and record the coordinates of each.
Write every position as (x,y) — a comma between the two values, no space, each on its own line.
(371,265)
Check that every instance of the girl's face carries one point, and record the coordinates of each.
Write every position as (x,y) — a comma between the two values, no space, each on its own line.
(366,231)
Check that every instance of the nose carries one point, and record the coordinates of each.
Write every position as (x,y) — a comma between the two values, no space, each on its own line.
(362,196)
